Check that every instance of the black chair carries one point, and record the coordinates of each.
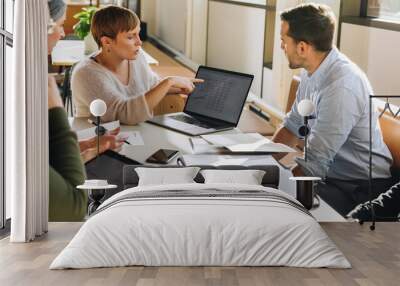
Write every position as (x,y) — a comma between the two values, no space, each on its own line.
(66,92)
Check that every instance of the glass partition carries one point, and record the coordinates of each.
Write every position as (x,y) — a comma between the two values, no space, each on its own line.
(384,9)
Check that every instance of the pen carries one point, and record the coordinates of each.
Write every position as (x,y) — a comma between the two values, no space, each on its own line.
(92,122)
(191,143)
(259,112)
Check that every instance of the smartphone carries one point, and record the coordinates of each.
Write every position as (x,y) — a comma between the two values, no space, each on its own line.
(162,156)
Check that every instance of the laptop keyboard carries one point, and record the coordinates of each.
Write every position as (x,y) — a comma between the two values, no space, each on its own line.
(191,120)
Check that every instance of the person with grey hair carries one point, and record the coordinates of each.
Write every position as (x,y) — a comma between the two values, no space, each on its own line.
(57,9)
(66,170)
(57,13)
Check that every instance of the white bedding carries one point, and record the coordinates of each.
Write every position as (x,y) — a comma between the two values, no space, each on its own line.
(188,231)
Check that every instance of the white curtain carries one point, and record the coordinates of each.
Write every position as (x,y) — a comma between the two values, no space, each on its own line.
(27,123)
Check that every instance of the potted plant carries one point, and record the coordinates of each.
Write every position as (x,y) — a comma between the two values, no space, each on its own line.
(82,28)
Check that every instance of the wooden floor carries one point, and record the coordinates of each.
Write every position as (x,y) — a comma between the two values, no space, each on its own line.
(375,257)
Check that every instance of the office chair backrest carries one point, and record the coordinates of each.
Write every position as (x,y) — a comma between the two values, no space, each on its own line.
(391,135)
(292,92)
(67,91)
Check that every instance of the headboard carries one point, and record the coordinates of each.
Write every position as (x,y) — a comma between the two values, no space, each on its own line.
(270,179)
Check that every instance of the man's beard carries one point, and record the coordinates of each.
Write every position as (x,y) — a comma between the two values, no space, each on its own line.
(293,66)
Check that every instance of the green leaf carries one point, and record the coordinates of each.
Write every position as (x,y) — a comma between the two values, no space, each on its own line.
(82,28)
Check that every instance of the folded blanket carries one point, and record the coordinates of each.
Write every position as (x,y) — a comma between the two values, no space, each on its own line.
(206,194)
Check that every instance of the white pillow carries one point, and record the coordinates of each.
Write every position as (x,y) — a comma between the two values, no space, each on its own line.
(247,177)
(166,176)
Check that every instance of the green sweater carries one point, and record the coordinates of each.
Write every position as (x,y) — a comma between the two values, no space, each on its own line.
(66,171)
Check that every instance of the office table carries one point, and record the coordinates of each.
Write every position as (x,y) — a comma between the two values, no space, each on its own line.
(69,52)
(156,137)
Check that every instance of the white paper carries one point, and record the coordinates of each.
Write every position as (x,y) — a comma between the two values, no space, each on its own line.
(241,160)
(234,139)
(197,141)
(270,147)
(199,145)
(247,142)
(134,138)
(229,161)
(215,159)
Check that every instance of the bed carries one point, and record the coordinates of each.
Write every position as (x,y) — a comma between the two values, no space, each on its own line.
(201,224)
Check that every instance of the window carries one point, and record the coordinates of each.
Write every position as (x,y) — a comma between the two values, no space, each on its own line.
(9,12)
(384,9)
(6,43)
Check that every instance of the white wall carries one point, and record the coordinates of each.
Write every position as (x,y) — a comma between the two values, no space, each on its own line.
(236,39)
(148,15)
(171,23)
(377,52)
(181,25)
(199,31)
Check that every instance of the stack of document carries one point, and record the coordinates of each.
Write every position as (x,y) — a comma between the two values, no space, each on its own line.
(247,142)
(201,146)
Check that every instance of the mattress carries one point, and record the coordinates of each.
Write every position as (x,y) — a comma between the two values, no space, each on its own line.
(201,225)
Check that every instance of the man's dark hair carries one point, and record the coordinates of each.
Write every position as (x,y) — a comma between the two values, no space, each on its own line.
(311,23)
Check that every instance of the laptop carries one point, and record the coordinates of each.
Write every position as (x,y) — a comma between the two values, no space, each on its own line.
(214,105)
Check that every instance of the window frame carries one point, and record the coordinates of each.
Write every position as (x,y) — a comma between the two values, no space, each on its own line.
(6,39)
(372,12)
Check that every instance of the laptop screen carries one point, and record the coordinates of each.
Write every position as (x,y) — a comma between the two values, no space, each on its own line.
(221,96)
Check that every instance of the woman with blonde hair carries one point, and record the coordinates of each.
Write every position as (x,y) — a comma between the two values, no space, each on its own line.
(119,73)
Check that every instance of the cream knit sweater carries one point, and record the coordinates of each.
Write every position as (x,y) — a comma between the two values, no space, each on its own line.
(125,103)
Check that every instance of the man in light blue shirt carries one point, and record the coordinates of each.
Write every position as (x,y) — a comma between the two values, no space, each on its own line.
(338,144)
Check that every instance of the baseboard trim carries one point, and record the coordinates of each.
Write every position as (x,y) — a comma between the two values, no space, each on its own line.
(176,55)
(273,111)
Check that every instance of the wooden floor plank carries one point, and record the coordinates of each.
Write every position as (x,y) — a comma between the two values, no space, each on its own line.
(375,257)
